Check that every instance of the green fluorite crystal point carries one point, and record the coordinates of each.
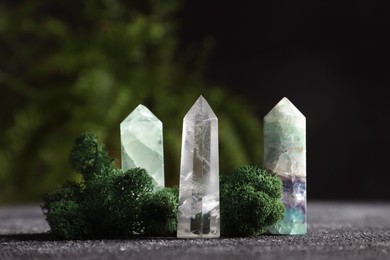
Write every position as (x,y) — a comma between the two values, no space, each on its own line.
(142,144)
(285,155)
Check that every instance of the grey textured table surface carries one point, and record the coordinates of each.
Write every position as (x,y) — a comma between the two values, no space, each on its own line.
(336,231)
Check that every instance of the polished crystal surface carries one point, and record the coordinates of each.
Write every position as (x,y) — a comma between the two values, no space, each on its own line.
(199,174)
(142,144)
(285,154)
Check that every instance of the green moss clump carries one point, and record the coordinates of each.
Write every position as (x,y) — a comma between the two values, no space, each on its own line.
(89,158)
(250,201)
(163,204)
(109,201)
(66,220)
(64,212)
(129,190)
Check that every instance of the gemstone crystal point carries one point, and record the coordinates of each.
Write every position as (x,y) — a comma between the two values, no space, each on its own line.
(198,215)
(285,154)
(142,144)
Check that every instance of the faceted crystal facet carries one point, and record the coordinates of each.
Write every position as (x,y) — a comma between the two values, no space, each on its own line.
(285,154)
(142,144)
(199,174)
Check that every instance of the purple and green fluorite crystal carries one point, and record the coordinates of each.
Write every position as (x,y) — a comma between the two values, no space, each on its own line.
(285,155)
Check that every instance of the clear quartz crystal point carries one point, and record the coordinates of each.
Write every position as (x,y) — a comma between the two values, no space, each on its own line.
(285,154)
(142,144)
(199,174)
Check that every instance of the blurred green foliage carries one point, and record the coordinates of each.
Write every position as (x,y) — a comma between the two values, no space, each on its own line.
(74,66)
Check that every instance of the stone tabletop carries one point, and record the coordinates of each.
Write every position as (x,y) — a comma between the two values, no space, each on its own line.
(336,231)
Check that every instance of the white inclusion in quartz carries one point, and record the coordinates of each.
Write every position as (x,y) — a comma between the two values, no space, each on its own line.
(198,215)
(285,154)
(142,144)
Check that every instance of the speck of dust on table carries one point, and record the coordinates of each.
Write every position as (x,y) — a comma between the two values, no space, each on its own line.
(335,231)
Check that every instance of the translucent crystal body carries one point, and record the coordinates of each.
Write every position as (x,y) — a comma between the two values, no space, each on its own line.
(285,154)
(198,215)
(142,143)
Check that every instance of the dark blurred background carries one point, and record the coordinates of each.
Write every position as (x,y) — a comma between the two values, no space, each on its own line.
(71,66)
(331,59)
